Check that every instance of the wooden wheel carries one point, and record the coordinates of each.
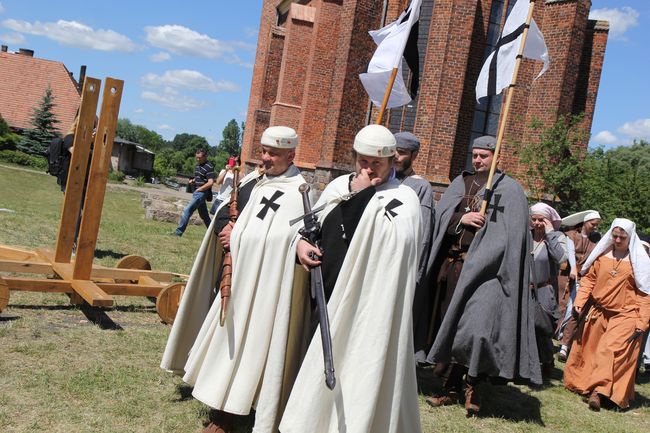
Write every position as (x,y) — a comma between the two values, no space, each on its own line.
(168,301)
(4,295)
(132,262)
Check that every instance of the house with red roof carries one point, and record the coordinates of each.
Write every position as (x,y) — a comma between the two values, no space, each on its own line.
(24,79)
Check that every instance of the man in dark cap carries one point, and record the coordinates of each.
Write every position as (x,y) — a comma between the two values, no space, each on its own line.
(479,265)
(407,148)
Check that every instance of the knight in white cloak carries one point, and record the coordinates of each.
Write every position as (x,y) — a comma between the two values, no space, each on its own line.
(370,248)
(480,264)
(252,360)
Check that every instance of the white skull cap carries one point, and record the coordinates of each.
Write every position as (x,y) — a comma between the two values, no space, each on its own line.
(281,137)
(376,141)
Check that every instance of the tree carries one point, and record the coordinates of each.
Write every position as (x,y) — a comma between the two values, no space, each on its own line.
(189,144)
(36,140)
(554,163)
(231,141)
(8,140)
(139,134)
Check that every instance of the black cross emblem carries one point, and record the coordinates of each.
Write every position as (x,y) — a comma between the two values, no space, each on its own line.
(270,204)
(504,40)
(496,207)
(392,205)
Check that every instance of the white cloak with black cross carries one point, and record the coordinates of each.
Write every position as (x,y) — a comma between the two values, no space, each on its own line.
(370,322)
(253,359)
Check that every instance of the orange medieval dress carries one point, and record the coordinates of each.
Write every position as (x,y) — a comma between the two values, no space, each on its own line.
(602,359)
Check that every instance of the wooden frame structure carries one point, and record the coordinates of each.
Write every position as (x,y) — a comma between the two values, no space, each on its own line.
(78,277)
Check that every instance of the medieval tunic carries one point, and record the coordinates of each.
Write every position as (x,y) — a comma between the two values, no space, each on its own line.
(584,245)
(253,359)
(602,359)
(370,319)
(547,257)
(489,324)
(430,305)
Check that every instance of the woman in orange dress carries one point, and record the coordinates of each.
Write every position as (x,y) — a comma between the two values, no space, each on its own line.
(613,303)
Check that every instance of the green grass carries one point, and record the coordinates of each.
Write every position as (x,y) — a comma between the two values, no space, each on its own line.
(60,373)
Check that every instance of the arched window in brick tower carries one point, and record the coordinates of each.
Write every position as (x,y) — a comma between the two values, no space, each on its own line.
(403,118)
(488,109)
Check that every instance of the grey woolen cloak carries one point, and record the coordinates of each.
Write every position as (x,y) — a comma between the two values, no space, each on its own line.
(489,325)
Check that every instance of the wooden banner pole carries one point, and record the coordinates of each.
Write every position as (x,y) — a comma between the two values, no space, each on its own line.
(506,111)
(384,102)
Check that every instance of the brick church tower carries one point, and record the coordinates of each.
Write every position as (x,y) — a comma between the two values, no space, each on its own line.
(310,54)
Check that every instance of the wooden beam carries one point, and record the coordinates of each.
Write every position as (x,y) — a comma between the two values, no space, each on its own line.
(91,293)
(94,202)
(25,267)
(38,285)
(72,199)
(146,280)
(126,289)
(12,253)
(130,274)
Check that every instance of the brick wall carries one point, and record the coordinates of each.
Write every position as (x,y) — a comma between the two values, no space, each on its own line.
(306,77)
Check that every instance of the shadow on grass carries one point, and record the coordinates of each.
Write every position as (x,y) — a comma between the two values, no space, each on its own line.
(184,392)
(498,401)
(237,423)
(100,254)
(639,401)
(5,318)
(45,307)
(134,308)
(99,317)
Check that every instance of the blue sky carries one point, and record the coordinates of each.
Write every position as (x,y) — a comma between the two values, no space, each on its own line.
(187,65)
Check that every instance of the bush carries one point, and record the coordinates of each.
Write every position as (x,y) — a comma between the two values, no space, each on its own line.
(140,181)
(116,176)
(21,158)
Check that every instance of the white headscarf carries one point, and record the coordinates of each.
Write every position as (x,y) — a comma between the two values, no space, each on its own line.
(580,217)
(638,257)
(547,212)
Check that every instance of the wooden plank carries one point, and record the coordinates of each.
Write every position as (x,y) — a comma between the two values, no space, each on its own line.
(92,210)
(25,267)
(72,199)
(127,289)
(38,285)
(146,280)
(130,274)
(12,253)
(91,293)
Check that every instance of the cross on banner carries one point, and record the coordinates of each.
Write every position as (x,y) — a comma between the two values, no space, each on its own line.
(269,204)
(496,207)
(392,205)
(504,40)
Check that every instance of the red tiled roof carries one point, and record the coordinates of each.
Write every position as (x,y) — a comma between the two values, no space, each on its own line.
(23,81)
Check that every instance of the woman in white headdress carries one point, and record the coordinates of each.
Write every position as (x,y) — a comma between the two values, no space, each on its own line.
(613,303)
(549,252)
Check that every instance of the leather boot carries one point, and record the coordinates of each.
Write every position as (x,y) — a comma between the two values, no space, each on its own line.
(472,399)
(594,401)
(447,399)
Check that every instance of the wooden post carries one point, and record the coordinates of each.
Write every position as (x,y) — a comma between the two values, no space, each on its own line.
(506,111)
(384,102)
(92,210)
(77,170)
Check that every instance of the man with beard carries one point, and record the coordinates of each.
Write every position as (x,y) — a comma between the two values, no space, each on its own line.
(251,358)
(370,242)
(480,265)
(407,148)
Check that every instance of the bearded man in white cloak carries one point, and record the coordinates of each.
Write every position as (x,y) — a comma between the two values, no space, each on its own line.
(250,361)
(370,248)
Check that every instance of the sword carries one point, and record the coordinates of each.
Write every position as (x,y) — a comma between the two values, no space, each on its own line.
(311,232)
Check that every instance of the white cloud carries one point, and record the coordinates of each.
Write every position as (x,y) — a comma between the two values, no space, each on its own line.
(638,129)
(188,79)
(170,98)
(138,110)
(160,57)
(166,127)
(75,34)
(251,32)
(181,40)
(620,20)
(604,138)
(2,8)
(12,38)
